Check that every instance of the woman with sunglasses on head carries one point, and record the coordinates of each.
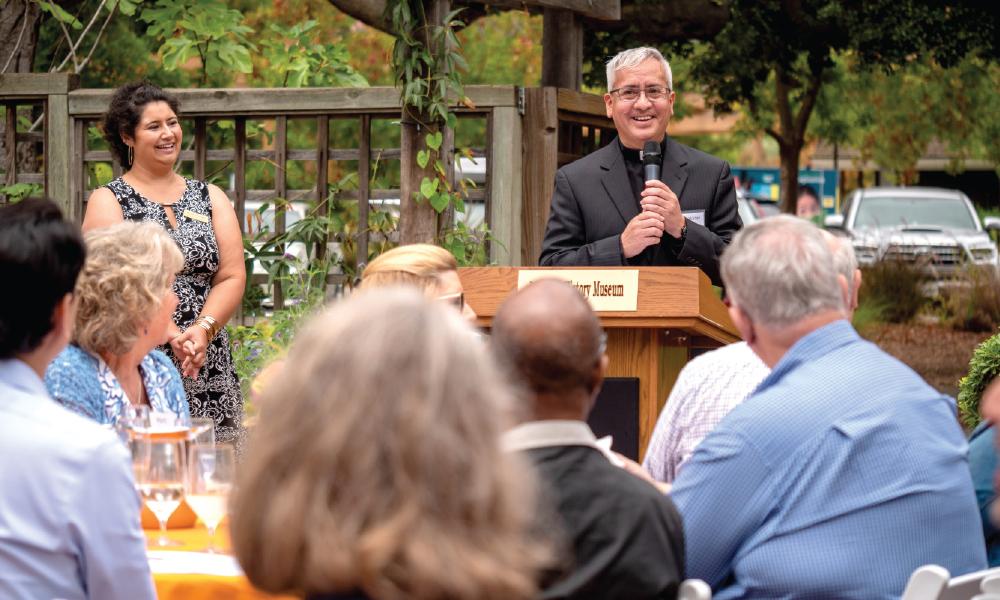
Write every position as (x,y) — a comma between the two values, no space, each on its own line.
(426,266)
(143,131)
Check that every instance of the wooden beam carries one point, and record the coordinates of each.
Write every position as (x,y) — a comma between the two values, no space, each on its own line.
(36,85)
(605,10)
(299,101)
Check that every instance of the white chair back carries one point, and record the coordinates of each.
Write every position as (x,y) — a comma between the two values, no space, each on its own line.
(933,582)
(694,589)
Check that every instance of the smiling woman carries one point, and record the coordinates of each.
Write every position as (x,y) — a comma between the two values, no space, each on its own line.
(145,136)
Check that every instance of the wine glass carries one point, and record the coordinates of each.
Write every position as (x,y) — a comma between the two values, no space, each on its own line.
(161,483)
(202,431)
(209,479)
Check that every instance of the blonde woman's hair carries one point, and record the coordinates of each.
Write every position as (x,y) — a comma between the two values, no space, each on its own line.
(128,270)
(414,264)
(395,486)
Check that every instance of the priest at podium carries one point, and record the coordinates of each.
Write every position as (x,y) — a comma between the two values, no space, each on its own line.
(643,199)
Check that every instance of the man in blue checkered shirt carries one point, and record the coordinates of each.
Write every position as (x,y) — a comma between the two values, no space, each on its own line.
(844,471)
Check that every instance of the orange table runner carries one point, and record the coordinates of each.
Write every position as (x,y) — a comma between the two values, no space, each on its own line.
(171,586)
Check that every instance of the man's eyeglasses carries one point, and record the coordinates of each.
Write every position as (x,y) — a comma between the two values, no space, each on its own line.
(457,300)
(631,93)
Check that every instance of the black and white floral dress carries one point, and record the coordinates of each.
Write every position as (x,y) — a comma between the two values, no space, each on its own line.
(215,393)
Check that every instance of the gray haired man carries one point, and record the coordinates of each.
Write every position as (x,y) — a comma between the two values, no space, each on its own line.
(844,470)
(712,384)
(604,212)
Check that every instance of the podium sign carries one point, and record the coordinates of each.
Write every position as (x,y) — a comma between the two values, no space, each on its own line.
(607,290)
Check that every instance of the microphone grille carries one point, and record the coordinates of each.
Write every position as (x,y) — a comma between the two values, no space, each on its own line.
(651,153)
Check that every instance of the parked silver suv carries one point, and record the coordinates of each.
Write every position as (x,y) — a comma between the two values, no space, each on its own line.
(934,228)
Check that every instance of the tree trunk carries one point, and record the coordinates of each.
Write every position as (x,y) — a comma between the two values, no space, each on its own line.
(562,49)
(791,136)
(789,152)
(418,221)
(18,35)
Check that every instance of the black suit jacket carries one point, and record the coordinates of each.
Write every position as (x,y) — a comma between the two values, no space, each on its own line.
(593,202)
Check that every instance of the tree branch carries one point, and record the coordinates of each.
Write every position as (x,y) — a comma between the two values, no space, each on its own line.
(808,102)
(100,34)
(72,50)
(773,133)
(73,46)
(781,91)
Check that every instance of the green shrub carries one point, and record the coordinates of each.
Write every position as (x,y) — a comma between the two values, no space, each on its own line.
(868,313)
(895,286)
(983,368)
(974,305)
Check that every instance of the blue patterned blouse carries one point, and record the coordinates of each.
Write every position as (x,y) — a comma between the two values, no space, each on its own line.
(85,384)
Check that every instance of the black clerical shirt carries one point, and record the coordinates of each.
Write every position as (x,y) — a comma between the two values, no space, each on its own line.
(637,180)
(626,537)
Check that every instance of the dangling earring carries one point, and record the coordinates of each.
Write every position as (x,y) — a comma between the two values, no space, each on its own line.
(129,157)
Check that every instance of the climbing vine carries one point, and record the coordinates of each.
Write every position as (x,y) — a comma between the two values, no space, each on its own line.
(428,64)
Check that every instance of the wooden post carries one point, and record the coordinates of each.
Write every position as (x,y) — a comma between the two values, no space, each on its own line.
(364,192)
(562,49)
(540,148)
(57,151)
(505,189)
(281,191)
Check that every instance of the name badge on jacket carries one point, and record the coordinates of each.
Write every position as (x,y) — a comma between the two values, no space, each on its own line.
(695,216)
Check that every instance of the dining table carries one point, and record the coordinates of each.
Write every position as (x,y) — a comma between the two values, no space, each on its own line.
(187,571)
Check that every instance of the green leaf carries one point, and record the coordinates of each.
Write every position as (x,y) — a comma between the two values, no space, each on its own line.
(60,14)
(439,201)
(422,157)
(428,187)
(434,140)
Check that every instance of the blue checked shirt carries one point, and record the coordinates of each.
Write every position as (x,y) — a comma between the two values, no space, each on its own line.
(837,478)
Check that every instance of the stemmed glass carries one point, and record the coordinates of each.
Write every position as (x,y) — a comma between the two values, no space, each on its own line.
(161,479)
(209,479)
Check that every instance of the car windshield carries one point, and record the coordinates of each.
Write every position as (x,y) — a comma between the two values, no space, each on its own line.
(894,211)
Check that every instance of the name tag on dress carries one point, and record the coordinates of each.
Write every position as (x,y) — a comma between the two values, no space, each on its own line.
(196,216)
(695,216)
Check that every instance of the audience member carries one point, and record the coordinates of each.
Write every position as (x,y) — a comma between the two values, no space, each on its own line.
(426,266)
(844,470)
(989,405)
(125,300)
(712,384)
(69,513)
(626,537)
(359,485)
(985,367)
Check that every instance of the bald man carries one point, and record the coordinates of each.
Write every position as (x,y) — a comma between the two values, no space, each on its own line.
(626,537)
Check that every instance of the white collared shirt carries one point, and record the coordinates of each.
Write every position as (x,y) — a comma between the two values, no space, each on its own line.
(707,388)
(69,512)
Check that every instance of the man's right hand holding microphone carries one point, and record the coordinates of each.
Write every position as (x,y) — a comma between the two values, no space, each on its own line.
(661,210)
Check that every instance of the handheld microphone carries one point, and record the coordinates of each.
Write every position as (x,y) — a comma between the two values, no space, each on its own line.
(651,161)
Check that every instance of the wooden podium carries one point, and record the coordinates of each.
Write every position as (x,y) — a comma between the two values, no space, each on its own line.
(677,313)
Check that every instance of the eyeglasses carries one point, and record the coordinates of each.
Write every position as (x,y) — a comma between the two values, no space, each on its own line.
(631,93)
(457,300)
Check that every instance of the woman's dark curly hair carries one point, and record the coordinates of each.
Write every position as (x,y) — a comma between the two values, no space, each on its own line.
(124,113)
